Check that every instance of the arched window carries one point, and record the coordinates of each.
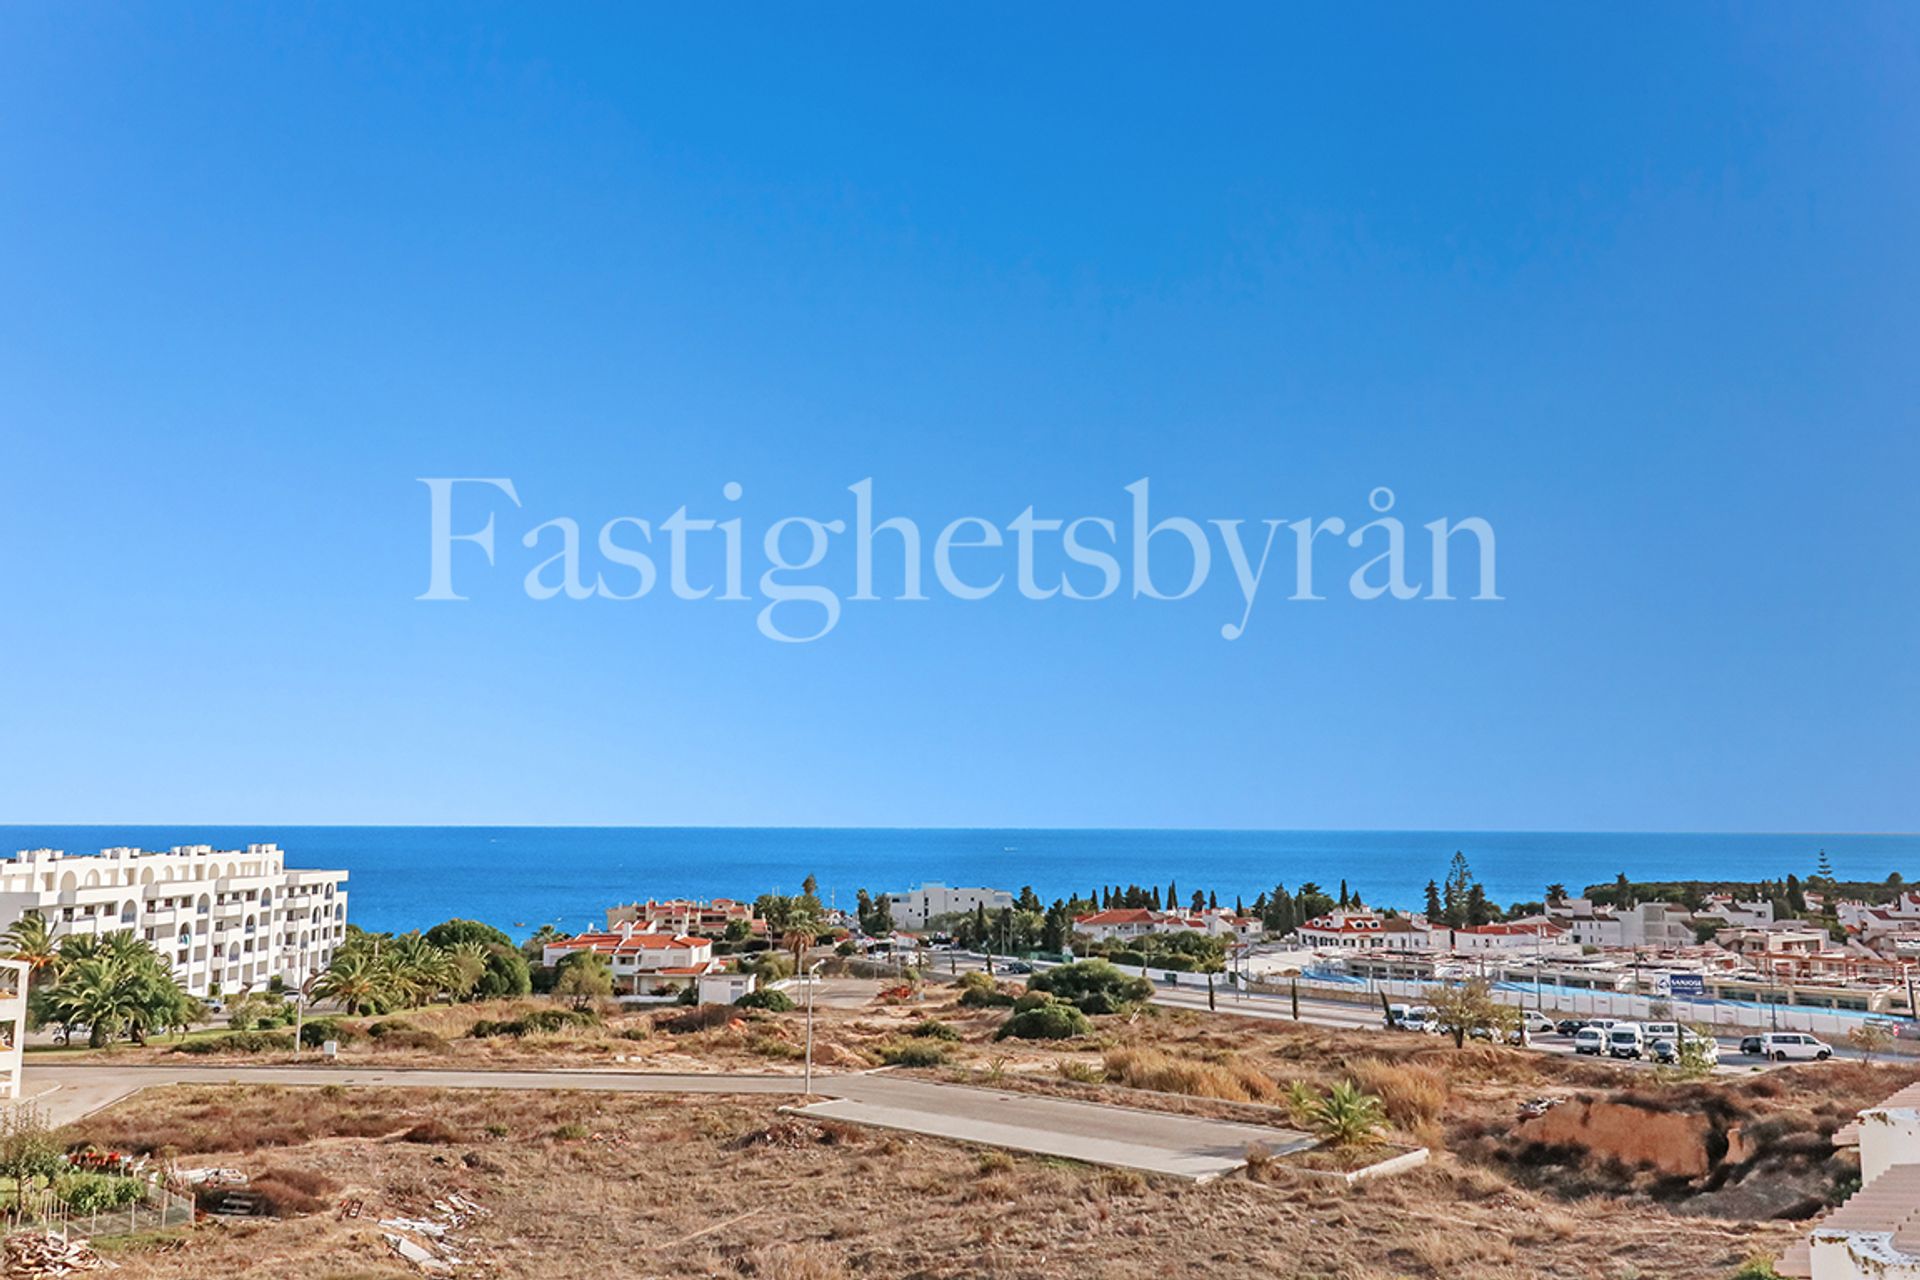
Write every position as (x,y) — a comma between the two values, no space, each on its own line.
(204,905)
(129,913)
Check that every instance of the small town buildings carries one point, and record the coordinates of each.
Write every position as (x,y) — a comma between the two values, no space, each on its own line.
(685,915)
(1646,924)
(1728,910)
(644,961)
(1343,930)
(225,920)
(1522,938)
(1117,924)
(1123,923)
(912,909)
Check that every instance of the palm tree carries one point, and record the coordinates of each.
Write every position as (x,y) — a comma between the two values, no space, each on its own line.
(30,939)
(100,994)
(797,940)
(359,982)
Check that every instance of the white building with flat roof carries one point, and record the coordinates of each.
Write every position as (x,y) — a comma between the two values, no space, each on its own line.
(912,909)
(232,919)
(13,1024)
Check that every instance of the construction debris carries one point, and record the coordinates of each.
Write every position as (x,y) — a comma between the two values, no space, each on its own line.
(38,1255)
(422,1242)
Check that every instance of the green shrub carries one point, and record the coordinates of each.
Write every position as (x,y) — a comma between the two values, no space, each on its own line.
(705,1017)
(238,1042)
(97,1192)
(983,995)
(405,1037)
(912,1053)
(934,1029)
(570,1132)
(1094,986)
(317,1031)
(772,1001)
(1053,1021)
(539,1022)
(1031,1000)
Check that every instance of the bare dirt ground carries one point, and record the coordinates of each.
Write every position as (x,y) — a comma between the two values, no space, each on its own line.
(1628,1174)
(596,1185)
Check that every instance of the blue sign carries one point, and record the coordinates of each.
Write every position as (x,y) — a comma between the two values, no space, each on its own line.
(1686,984)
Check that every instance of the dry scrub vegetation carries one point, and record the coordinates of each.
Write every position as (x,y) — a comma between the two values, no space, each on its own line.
(604,1185)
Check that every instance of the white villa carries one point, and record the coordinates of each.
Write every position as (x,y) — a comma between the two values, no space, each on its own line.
(644,960)
(232,919)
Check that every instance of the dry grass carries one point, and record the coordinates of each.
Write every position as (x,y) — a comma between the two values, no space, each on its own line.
(728,1188)
(1414,1094)
(1229,1078)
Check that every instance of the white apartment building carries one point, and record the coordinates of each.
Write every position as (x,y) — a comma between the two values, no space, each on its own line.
(231,919)
(912,909)
(1647,924)
(13,1024)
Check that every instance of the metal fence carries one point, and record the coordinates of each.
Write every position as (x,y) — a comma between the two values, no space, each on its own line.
(41,1209)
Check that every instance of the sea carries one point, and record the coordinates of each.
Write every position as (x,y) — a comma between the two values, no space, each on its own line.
(519,878)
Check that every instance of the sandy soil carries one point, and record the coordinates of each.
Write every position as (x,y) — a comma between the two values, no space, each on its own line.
(729,1188)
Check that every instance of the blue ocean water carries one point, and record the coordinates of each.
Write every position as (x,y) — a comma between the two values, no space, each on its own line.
(522,877)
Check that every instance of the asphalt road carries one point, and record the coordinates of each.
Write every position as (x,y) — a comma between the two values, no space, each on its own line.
(1151,1141)
(1368,1017)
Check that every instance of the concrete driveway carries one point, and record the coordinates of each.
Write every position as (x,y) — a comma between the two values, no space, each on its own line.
(1150,1141)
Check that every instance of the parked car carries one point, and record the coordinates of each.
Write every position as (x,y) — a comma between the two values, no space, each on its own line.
(1016,966)
(1662,1030)
(1666,1049)
(1413,1020)
(1397,1016)
(1794,1046)
(1569,1026)
(1590,1040)
(1751,1044)
(1532,1023)
(1626,1040)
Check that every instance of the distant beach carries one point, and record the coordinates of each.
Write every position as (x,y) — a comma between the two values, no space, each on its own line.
(522,877)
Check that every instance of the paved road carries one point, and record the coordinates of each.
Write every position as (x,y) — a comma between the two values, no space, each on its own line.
(1152,1141)
(1351,1016)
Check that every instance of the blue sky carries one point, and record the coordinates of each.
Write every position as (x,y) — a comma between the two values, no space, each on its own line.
(1643,293)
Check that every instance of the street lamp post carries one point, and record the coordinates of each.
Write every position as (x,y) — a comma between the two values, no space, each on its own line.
(812,969)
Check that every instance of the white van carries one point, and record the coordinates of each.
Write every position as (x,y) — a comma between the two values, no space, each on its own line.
(1662,1031)
(1591,1040)
(1794,1046)
(1626,1040)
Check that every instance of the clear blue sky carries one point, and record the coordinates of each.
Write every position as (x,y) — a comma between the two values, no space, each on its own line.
(1639,288)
